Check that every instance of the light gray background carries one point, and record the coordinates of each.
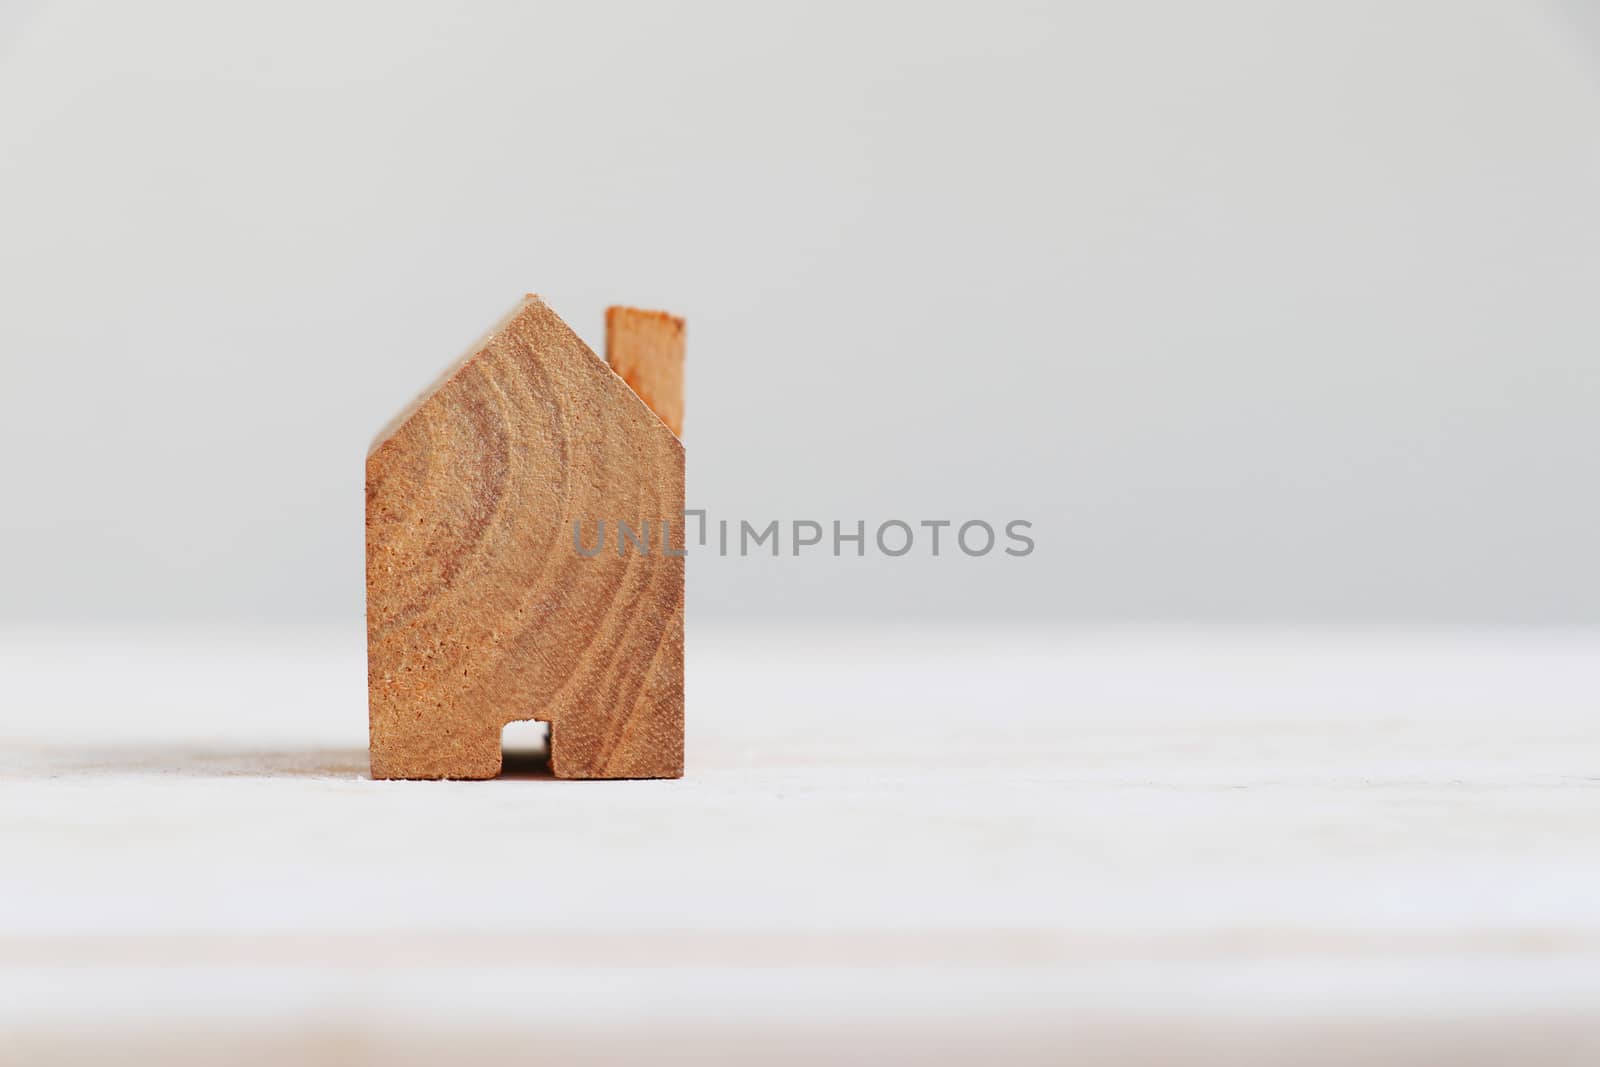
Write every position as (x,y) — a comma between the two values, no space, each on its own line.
(1259,311)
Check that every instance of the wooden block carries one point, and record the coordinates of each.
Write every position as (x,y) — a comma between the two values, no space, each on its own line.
(480,608)
(646,348)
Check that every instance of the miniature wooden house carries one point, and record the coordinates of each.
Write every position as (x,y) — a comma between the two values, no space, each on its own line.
(480,609)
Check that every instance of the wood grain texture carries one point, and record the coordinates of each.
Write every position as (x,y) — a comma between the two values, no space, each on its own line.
(480,608)
(1335,847)
(647,348)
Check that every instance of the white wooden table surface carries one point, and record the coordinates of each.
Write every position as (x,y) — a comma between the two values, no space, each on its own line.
(1096,846)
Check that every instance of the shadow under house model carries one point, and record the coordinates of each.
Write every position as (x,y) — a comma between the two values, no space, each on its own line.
(480,608)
